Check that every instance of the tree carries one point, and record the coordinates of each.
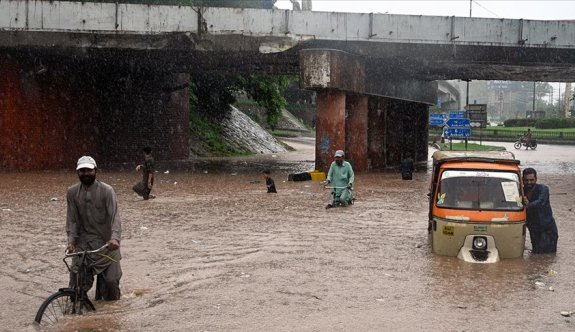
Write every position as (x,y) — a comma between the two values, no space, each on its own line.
(211,94)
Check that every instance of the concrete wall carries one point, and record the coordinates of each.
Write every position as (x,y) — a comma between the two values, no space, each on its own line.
(49,119)
(300,25)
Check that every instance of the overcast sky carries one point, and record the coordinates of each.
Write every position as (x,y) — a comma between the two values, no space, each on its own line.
(529,10)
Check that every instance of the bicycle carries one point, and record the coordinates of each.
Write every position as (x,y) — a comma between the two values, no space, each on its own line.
(335,201)
(70,300)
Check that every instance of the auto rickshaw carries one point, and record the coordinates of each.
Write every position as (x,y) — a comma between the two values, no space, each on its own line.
(476,210)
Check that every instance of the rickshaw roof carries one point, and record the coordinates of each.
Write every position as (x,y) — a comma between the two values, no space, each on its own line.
(484,156)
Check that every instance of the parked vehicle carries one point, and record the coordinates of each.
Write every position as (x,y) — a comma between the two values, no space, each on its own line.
(476,210)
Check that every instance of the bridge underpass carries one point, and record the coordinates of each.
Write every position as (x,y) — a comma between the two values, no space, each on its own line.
(106,79)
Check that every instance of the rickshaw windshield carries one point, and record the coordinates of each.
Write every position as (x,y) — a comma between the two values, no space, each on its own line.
(479,190)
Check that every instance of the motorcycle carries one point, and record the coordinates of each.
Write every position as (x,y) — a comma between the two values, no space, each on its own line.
(523,142)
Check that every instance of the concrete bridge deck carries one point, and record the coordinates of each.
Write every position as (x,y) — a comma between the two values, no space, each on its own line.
(421,47)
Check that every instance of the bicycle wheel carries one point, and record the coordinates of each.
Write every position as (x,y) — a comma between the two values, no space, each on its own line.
(59,305)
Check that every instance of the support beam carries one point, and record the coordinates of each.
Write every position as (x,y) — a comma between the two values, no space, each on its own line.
(333,69)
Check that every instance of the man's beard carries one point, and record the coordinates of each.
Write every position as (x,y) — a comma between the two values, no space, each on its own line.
(528,188)
(339,162)
(87,180)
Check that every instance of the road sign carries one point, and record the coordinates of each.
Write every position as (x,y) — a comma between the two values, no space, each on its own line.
(437,119)
(457,132)
(457,114)
(477,113)
(458,122)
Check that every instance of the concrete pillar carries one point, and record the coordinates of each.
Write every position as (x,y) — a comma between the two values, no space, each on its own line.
(376,132)
(356,131)
(330,126)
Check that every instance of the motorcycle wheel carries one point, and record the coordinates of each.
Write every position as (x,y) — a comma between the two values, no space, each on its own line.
(517,145)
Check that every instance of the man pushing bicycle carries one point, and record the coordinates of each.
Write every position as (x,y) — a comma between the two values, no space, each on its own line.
(92,220)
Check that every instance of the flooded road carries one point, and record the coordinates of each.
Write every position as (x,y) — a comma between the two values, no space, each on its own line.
(215,252)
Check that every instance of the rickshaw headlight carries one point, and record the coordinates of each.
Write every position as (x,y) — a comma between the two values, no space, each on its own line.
(479,243)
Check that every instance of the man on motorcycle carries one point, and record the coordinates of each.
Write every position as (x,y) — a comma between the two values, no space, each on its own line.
(527,138)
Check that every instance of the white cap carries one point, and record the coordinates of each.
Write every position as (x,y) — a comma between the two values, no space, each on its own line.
(339,153)
(86,162)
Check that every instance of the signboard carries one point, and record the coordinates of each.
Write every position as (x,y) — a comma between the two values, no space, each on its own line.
(437,119)
(457,115)
(457,132)
(457,122)
(477,113)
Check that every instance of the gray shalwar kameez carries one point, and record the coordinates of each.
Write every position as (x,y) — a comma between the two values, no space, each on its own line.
(93,219)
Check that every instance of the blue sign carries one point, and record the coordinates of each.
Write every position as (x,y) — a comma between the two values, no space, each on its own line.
(457,122)
(437,119)
(457,114)
(456,132)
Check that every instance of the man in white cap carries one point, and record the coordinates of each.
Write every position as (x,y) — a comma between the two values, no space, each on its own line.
(92,220)
(341,176)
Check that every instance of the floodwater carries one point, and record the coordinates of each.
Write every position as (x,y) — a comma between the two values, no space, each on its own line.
(215,252)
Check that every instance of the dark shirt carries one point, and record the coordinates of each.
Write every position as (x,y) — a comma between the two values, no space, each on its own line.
(540,221)
(149,167)
(271,185)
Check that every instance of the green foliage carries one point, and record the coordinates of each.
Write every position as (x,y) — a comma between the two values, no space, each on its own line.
(209,133)
(550,123)
(212,94)
(555,123)
(267,91)
(519,122)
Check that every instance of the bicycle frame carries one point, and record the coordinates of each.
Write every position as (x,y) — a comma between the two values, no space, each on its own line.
(70,300)
(83,270)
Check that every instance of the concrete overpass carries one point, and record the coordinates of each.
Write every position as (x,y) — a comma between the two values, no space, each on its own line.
(116,73)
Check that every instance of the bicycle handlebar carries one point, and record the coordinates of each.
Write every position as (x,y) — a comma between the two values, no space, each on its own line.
(79,253)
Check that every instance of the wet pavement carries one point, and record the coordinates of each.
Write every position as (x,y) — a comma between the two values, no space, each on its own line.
(215,252)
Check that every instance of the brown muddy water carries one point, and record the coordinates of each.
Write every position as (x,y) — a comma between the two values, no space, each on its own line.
(215,252)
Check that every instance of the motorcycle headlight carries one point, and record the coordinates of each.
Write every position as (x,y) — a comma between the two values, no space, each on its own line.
(479,243)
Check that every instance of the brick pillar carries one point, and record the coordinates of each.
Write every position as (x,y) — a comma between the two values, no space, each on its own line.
(376,133)
(356,131)
(330,126)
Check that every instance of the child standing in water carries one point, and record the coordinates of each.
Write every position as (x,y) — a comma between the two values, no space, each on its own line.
(269,181)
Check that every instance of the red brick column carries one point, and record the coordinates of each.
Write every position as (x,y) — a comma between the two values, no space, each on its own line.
(356,131)
(330,126)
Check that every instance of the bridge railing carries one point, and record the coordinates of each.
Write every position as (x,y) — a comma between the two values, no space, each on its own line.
(90,17)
